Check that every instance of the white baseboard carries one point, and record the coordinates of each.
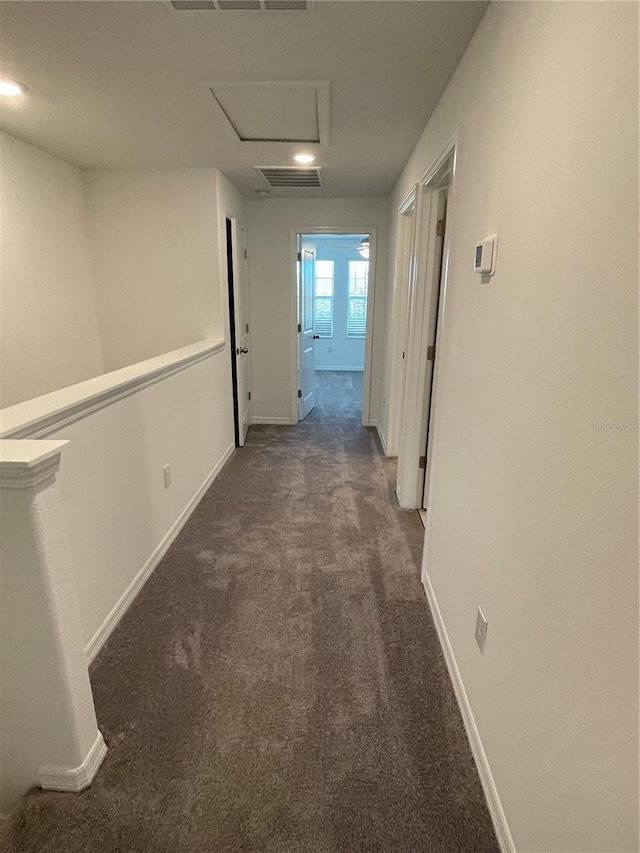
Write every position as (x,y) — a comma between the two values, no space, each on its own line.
(350,369)
(258,419)
(484,771)
(78,778)
(383,440)
(104,631)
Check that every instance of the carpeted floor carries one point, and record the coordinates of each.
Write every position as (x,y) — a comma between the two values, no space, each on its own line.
(278,686)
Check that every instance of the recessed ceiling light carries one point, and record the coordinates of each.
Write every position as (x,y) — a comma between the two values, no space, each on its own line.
(11,89)
(304,158)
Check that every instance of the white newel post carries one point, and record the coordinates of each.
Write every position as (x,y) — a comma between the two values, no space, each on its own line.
(48,730)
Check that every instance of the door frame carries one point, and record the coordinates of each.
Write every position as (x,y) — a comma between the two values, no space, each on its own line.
(429,280)
(429,177)
(404,268)
(230,246)
(294,233)
(233,261)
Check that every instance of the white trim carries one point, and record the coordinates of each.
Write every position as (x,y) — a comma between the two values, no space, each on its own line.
(383,441)
(423,305)
(435,176)
(372,289)
(402,278)
(24,464)
(484,770)
(409,201)
(78,778)
(427,296)
(126,599)
(259,419)
(42,416)
(455,145)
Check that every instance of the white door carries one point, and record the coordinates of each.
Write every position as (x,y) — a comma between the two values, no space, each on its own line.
(306,364)
(242,327)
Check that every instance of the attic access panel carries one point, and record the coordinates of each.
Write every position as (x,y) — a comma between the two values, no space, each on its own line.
(275,111)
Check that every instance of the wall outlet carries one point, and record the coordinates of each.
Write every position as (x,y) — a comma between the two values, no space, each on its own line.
(167,476)
(481,629)
(329,349)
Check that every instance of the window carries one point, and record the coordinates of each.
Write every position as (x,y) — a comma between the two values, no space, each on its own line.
(357,299)
(323,299)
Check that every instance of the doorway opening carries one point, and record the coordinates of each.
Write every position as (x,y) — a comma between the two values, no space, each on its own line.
(334,309)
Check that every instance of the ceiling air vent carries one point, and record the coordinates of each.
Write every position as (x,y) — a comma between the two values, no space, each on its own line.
(285,5)
(241,5)
(276,176)
(192,5)
(238,5)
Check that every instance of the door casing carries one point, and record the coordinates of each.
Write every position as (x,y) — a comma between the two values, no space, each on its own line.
(429,279)
(404,271)
(424,297)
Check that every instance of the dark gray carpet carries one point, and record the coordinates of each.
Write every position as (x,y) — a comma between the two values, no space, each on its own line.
(278,685)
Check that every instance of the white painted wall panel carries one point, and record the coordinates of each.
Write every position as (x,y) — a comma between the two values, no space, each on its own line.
(155,245)
(49,333)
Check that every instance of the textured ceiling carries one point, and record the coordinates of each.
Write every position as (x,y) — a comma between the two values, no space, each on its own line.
(127,84)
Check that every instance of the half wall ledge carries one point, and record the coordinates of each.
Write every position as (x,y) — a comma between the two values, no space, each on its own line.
(42,416)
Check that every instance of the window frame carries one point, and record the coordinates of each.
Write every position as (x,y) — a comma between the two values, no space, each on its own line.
(320,326)
(353,297)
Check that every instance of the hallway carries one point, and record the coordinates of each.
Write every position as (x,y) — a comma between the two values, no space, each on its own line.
(278,684)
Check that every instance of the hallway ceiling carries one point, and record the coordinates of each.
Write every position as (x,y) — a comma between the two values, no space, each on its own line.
(128,85)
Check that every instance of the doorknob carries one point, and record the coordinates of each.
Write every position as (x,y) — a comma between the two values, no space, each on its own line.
(316,337)
(241,350)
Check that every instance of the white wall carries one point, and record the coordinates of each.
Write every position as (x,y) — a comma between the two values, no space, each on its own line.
(534,513)
(49,333)
(338,352)
(154,238)
(269,233)
(111,478)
